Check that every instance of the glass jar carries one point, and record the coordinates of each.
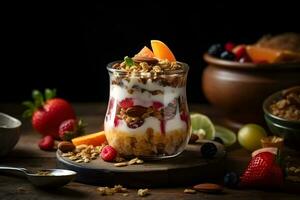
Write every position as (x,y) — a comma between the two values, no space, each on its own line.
(147,114)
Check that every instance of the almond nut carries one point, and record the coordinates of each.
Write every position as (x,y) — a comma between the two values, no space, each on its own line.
(136,111)
(208,188)
(148,60)
(66,146)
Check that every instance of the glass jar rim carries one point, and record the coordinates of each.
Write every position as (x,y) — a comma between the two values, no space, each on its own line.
(168,72)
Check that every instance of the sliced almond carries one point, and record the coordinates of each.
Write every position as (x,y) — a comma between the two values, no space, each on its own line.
(136,111)
(148,60)
(121,164)
(208,188)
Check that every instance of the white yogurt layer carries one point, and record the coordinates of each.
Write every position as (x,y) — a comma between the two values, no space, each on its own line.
(150,122)
(145,98)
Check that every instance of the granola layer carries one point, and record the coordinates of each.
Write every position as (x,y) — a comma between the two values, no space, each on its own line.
(149,143)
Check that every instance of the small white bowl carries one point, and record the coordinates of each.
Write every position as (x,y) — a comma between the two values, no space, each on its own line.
(9,133)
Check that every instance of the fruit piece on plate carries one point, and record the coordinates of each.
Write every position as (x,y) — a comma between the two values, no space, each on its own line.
(227,136)
(229,46)
(95,139)
(249,136)
(145,52)
(48,112)
(108,153)
(70,129)
(47,143)
(202,126)
(162,51)
(263,171)
(261,54)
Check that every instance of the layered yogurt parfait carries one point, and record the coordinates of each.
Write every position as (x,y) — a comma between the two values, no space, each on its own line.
(147,113)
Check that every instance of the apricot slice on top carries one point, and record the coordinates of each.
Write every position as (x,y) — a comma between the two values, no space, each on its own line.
(145,52)
(162,51)
(95,139)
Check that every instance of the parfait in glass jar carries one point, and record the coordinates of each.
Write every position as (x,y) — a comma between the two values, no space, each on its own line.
(147,113)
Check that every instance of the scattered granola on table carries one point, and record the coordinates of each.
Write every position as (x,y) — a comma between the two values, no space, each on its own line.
(111,191)
(84,153)
(143,192)
(189,191)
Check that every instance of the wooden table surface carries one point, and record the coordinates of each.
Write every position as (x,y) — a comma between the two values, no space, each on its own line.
(27,154)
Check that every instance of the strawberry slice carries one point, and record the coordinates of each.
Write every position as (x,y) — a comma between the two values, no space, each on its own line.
(126,103)
(163,127)
(157,105)
(116,121)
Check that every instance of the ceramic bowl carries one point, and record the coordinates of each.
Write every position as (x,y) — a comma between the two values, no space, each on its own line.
(241,88)
(9,133)
(288,129)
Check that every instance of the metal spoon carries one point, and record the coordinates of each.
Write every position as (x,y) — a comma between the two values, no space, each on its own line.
(44,177)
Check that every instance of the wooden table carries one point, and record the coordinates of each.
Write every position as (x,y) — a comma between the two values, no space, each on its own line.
(27,154)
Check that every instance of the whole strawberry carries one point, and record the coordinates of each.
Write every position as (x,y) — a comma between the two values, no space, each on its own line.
(263,171)
(70,129)
(48,112)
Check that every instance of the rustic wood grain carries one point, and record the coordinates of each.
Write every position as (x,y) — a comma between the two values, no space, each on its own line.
(27,154)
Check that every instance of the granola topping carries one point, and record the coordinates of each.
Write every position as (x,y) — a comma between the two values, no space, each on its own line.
(289,106)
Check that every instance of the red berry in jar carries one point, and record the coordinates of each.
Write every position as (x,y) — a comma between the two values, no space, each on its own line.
(108,153)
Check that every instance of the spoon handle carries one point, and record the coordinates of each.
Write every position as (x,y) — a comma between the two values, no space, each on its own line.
(14,170)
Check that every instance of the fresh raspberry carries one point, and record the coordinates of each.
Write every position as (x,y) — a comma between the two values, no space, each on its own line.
(229,46)
(108,153)
(157,105)
(126,103)
(47,143)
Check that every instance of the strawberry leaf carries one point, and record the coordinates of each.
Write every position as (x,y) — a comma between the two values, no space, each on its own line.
(38,98)
(49,94)
(27,113)
(28,104)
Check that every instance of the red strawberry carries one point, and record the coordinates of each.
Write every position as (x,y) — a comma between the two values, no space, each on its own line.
(70,129)
(157,105)
(47,143)
(126,103)
(48,112)
(262,172)
(108,153)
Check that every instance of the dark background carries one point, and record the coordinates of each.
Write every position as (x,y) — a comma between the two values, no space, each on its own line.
(67,45)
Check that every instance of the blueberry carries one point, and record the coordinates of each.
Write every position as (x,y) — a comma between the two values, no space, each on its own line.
(217,139)
(208,150)
(215,50)
(227,55)
(231,179)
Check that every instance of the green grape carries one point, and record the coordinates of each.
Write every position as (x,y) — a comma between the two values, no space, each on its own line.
(249,136)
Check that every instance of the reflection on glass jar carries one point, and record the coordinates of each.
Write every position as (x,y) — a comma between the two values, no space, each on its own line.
(147,114)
